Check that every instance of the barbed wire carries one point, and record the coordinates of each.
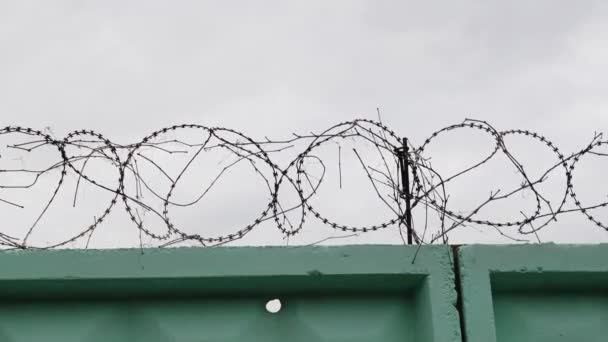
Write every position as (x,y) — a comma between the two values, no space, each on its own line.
(403,180)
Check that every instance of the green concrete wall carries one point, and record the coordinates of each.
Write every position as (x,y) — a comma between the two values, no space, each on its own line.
(368,293)
(540,293)
(518,293)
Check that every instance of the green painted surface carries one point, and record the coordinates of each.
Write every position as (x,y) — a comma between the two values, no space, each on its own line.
(549,317)
(534,293)
(351,293)
(537,293)
(316,318)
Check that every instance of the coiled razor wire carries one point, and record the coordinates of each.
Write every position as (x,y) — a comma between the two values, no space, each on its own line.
(427,188)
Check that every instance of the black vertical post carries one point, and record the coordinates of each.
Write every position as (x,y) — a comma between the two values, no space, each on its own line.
(405,184)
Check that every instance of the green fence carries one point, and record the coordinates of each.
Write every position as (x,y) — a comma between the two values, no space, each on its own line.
(350,293)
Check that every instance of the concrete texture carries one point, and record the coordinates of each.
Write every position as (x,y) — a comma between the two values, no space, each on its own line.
(537,293)
(351,293)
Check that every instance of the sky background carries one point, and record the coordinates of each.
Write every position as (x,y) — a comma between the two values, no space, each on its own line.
(271,68)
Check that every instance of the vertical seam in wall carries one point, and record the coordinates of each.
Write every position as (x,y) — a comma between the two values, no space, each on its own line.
(458,286)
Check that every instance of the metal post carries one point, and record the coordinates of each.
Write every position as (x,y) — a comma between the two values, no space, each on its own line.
(405,184)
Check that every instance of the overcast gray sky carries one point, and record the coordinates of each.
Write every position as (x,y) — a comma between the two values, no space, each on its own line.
(269,68)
